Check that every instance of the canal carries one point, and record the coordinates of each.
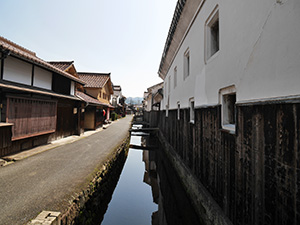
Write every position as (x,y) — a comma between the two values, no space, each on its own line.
(132,201)
(148,191)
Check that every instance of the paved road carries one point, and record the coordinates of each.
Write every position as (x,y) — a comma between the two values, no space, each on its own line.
(48,180)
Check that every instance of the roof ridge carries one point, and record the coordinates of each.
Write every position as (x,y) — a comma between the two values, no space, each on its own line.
(17,46)
(61,61)
(93,73)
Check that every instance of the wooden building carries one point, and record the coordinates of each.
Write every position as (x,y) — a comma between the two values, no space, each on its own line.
(37,100)
(99,86)
(94,116)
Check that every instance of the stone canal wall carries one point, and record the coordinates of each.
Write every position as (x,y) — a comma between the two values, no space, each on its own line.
(89,206)
(252,175)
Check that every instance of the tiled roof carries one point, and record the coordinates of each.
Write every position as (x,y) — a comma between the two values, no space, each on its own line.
(27,55)
(62,65)
(88,98)
(94,80)
(178,11)
(117,88)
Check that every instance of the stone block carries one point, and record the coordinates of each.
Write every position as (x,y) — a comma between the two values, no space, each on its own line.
(47,218)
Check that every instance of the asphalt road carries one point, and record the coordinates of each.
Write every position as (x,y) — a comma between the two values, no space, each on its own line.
(48,180)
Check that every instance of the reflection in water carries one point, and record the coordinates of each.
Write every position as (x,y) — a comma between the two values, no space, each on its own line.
(174,207)
(161,202)
(132,199)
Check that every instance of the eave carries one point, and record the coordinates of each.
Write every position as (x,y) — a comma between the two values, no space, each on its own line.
(28,56)
(184,16)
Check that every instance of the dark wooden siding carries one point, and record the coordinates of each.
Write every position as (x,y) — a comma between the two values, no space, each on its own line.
(254,174)
(67,121)
(5,139)
(30,117)
(61,84)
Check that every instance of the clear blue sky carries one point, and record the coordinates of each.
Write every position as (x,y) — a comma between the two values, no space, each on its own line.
(124,37)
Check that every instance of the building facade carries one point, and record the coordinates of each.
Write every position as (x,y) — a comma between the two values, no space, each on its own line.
(153,97)
(37,100)
(230,108)
(118,101)
(99,86)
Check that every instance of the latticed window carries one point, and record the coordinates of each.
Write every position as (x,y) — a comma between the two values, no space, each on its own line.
(31,117)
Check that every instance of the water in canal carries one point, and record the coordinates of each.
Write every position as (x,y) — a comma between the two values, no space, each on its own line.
(148,191)
(132,201)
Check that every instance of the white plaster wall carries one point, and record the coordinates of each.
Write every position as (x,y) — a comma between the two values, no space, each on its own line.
(17,71)
(72,88)
(259,53)
(42,78)
(273,67)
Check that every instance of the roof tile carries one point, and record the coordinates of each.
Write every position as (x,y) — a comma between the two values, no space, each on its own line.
(62,65)
(94,80)
(90,99)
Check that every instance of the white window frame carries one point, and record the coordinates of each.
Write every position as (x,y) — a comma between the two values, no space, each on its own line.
(186,64)
(175,77)
(192,110)
(225,114)
(169,85)
(209,24)
(166,91)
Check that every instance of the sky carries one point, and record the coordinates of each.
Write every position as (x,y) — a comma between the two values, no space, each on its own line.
(123,37)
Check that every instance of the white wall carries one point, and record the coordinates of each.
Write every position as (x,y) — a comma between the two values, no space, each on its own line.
(259,53)
(17,71)
(42,78)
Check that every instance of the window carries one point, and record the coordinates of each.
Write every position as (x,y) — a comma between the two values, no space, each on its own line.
(228,100)
(178,110)
(175,77)
(192,110)
(166,84)
(212,34)
(169,84)
(186,64)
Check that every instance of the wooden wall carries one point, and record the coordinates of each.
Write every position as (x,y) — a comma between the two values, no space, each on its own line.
(5,139)
(254,174)
(67,121)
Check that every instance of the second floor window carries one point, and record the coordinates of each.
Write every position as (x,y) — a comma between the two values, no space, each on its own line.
(186,64)
(169,85)
(175,77)
(212,34)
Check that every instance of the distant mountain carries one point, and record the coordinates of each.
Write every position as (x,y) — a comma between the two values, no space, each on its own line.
(134,100)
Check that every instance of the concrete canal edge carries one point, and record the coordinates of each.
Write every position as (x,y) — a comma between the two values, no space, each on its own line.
(93,196)
(208,211)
